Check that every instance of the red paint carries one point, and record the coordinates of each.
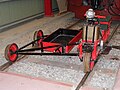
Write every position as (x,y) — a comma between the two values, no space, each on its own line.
(80,50)
(67,48)
(46,44)
(40,37)
(75,39)
(48,8)
(12,48)
(92,63)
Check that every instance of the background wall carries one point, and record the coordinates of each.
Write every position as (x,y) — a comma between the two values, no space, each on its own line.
(15,10)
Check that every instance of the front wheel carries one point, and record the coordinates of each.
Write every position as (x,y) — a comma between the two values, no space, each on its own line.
(10,52)
(38,35)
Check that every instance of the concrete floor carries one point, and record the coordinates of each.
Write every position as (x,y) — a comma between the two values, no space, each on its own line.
(21,82)
(9,81)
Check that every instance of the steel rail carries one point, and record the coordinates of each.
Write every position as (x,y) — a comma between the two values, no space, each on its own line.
(5,66)
(113,32)
(82,81)
(8,64)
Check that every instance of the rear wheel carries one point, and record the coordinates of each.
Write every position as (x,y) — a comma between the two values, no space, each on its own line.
(38,35)
(10,52)
(86,61)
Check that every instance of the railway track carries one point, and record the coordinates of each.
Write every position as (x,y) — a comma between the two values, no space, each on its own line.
(81,83)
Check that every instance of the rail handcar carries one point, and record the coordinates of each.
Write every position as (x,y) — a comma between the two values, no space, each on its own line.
(89,39)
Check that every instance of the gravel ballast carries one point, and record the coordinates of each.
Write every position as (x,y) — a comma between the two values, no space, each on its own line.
(64,73)
(104,73)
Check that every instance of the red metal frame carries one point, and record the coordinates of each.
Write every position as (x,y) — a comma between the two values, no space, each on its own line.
(105,33)
(75,39)
(46,44)
(39,35)
(67,48)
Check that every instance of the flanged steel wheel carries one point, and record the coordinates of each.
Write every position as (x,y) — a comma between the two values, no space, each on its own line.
(86,61)
(38,35)
(10,52)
